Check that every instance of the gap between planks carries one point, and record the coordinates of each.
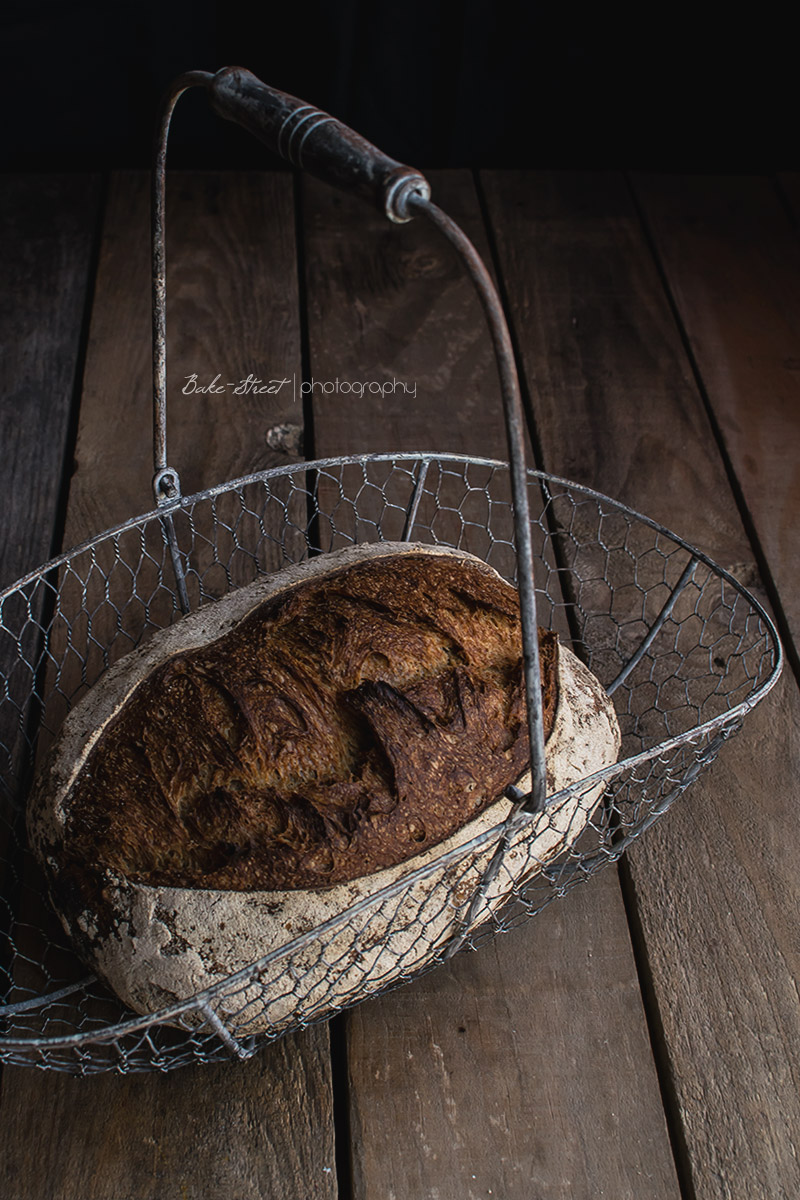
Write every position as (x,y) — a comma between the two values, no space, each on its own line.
(712,883)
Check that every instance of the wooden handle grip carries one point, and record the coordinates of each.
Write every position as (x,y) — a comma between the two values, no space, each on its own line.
(315,141)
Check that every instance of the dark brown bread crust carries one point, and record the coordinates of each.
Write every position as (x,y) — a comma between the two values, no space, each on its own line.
(339,729)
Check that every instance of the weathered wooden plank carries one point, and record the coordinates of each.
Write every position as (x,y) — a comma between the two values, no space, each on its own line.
(263,1127)
(525,1068)
(716,889)
(520,1070)
(732,261)
(47,226)
(715,883)
(47,229)
(231,312)
(254,1130)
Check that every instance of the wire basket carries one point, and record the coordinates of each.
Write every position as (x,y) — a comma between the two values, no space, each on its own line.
(683,648)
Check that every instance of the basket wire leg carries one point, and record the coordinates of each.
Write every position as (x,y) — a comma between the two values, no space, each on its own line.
(464,926)
(168,526)
(656,627)
(224,1034)
(413,504)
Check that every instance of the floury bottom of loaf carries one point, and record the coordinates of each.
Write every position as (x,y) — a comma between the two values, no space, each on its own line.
(333,947)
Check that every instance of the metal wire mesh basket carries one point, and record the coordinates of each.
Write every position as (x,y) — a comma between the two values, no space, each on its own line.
(683,648)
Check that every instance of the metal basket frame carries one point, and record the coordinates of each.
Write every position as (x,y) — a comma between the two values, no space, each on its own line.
(51,1018)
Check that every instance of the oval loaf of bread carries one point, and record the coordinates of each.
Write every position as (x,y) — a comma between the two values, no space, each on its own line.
(283,759)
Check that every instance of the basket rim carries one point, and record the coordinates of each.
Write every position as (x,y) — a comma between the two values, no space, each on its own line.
(164,1015)
(416,456)
(729,718)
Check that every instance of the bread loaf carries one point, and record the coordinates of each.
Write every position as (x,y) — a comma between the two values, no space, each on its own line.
(292,751)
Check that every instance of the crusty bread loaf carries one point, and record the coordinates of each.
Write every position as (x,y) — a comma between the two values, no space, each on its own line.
(292,749)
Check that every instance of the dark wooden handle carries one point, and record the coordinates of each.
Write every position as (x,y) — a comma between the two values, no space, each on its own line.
(315,141)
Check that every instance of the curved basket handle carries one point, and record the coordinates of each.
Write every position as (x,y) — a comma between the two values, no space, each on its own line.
(325,147)
(315,141)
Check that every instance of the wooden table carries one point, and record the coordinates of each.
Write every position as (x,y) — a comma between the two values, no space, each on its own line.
(640,1038)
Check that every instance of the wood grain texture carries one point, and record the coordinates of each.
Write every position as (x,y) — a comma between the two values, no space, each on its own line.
(519,1070)
(231,310)
(391,303)
(47,226)
(717,893)
(716,882)
(525,1069)
(602,360)
(247,1131)
(47,229)
(263,1128)
(732,262)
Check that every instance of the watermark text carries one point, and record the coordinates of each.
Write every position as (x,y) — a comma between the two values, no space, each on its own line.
(252,385)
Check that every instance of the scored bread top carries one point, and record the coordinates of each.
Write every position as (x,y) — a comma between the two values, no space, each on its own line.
(341,727)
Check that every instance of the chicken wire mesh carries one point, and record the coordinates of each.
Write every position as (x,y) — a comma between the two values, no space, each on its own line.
(683,649)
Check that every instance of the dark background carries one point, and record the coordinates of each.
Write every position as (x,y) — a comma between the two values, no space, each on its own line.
(432,82)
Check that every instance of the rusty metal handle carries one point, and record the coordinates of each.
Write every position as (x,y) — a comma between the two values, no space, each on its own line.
(316,141)
(320,144)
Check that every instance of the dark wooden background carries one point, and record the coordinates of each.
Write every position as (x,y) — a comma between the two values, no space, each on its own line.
(433,82)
